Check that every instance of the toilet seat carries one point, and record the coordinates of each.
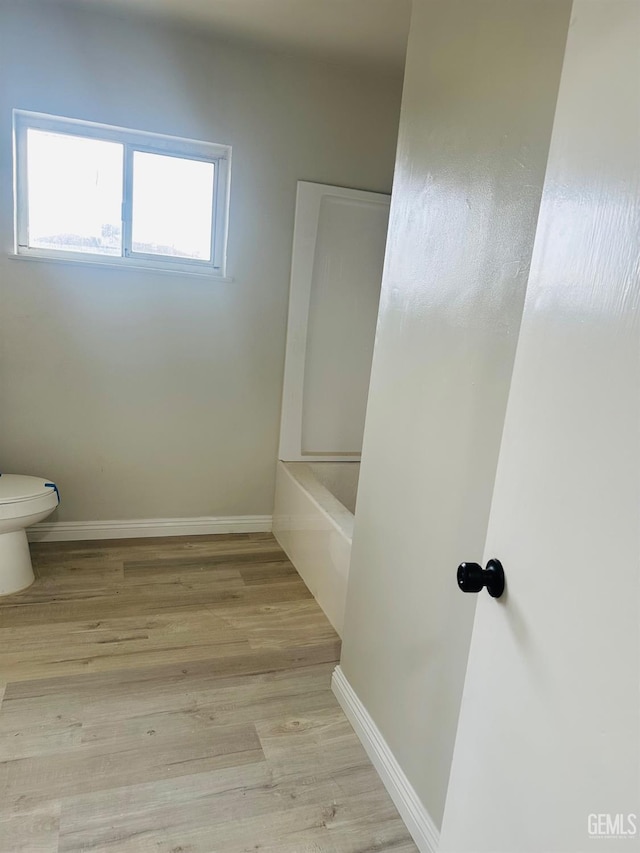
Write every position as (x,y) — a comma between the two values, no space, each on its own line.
(22,496)
(19,487)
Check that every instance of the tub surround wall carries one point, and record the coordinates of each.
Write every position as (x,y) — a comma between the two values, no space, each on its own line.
(158,396)
(481,84)
(336,271)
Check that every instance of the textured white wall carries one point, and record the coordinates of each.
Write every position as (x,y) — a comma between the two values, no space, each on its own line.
(149,395)
(480,88)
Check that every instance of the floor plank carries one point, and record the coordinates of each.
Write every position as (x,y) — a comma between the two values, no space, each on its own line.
(174,695)
(34,832)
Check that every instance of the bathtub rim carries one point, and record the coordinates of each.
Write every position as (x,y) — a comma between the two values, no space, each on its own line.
(337,513)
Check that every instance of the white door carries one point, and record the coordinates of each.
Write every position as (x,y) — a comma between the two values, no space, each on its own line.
(547,751)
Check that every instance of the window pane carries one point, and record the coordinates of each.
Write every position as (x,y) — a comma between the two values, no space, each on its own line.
(172,206)
(75,193)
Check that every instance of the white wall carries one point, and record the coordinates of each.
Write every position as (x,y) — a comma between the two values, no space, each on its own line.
(480,90)
(159,396)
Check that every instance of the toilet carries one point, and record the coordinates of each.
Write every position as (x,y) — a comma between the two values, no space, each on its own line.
(23,501)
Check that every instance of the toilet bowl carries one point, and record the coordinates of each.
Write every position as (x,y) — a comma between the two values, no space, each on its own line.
(23,501)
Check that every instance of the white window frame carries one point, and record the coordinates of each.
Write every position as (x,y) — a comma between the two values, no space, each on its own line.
(132,140)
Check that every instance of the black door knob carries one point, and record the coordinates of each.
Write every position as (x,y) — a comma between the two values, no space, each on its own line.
(472,577)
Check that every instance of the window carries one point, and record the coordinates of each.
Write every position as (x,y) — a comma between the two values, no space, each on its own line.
(104,194)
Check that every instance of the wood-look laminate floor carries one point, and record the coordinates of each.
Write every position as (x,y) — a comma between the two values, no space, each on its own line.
(174,696)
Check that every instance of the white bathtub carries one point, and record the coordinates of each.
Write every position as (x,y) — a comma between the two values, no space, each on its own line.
(313,522)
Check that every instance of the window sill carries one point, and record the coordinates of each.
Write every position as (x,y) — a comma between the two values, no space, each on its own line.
(128,266)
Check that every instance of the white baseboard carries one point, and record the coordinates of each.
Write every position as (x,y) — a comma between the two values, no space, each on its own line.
(417,819)
(67,531)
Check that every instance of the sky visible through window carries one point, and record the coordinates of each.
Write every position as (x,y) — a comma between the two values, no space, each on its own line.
(75,193)
(172,205)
